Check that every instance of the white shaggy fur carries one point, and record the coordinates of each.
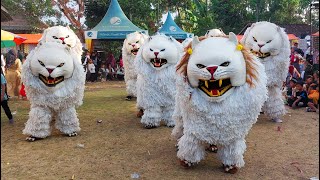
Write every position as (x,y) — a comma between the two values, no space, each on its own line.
(214,33)
(133,42)
(58,102)
(65,35)
(186,42)
(156,85)
(275,41)
(201,119)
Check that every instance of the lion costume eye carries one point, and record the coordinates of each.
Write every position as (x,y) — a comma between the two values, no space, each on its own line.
(137,42)
(67,36)
(129,43)
(60,65)
(163,50)
(269,41)
(255,40)
(151,49)
(55,37)
(41,63)
(225,64)
(200,66)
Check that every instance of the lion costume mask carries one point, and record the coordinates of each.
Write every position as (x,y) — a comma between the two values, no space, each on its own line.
(63,35)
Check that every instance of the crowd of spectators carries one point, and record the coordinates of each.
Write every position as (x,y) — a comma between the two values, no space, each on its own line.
(302,85)
(99,69)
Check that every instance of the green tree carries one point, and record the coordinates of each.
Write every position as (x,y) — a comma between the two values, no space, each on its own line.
(231,15)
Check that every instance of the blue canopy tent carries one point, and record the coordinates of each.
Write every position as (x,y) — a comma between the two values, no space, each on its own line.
(114,26)
(170,28)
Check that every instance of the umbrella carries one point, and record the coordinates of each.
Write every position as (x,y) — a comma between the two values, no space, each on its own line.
(9,39)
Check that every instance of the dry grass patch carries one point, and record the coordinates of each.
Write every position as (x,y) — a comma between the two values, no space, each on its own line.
(119,146)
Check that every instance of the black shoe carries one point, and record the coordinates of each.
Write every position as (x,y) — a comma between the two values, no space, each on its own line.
(128,98)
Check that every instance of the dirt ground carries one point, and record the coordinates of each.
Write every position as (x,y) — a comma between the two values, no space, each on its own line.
(119,146)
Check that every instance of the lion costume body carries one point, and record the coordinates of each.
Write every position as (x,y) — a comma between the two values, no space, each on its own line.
(221,92)
(54,82)
(63,35)
(155,65)
(131,46)
(271,45)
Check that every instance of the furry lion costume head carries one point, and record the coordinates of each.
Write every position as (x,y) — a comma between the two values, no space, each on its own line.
(217,72)
(63,35)
(53,68)
(265,39)
(133,42)
(161,51)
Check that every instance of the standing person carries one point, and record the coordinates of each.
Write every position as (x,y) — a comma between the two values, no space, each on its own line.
(92,70)
(3,63)
(99,60)
(85,64)
(22,91)
(308,70)
(20,55)
(111,60)
(4,99)
(120,61)
(13,74)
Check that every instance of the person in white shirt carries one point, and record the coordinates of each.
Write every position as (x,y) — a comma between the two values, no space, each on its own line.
(3,64)
(92,70)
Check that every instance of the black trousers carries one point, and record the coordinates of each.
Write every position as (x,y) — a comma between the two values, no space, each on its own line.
(93,77)
(6,108)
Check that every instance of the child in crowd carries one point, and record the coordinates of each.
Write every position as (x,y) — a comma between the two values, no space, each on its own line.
(4,99)
(291,89)
(300,97)
(309,81)
(102,73)
(313,95)
(92,70)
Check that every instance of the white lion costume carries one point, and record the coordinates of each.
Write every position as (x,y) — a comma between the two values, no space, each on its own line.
(270,43)
(63,35)
(214,33)
(155,64)
(131,46)
(54,82)
(221,91)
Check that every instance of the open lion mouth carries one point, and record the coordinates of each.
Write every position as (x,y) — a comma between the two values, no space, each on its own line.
(158,62)
(260,54)
(215,88)
(135,51)
(51,82)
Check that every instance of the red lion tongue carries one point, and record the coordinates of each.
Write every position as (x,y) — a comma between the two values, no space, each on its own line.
(214,92)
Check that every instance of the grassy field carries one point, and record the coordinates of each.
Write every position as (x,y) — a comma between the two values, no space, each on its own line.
(120,146)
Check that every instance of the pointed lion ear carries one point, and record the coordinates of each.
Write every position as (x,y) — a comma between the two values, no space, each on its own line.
(233,38)
(195,42)
(43,37)
(279,28)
